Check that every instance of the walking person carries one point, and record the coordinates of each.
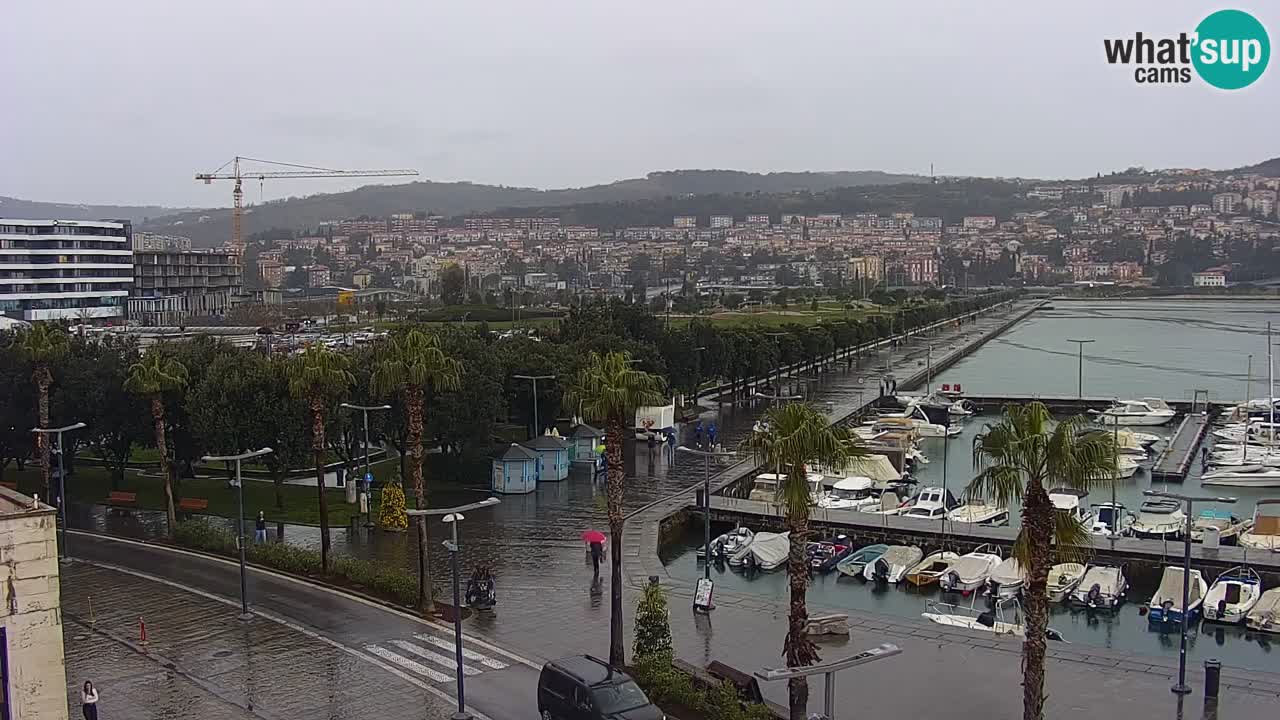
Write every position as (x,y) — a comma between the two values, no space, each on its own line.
(597,552)
(260,529)
(89,701)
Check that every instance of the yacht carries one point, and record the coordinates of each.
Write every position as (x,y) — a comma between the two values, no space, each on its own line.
(1103,587)
(1228,526)
(980,513)
(766,487)
(854,563)
(1166,604)
(919,421)
(1232,596)
(851,493)
(1260,476)
(729,543)
(1265,616)
(893,564)
(971,571)
(932,567)
(1069,501)
(1159,518)
(1110,519)
(1147,411)
(1265,533)
(1006,579)
(1063,578)
(932,503)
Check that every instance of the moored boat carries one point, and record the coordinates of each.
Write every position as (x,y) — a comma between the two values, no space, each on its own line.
(1103,587)
(1233,595)
(1260,476)
(1147,411)
(1265,534)
(1265,615)
(980,513)
(893,564)
(930,568)
(1063,578)
(858,559)
(1228,526)
(1006,579)
(971,570)
(1159,518)
(1166,605)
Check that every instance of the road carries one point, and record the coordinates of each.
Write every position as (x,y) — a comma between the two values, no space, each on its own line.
(499,684)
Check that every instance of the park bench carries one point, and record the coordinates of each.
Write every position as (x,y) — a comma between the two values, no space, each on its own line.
(193,504)
(121,499)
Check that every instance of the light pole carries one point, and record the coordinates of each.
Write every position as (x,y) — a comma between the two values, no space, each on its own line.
(535,379)
(1080,365)
(244,586)
(706,456)
(453,516)
(1181,688)
(62,479)
(368,475)
(778,369)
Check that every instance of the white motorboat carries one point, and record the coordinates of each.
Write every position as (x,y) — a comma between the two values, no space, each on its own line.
(1265,616)
(932,567)
(1063,578)
(1166,604)
(856,562)
(765,487)
(1227,526)
(1262,476)
(1103,587)
(980,513)
(729,543)
(851,493)
(1110,518)
(768,551)
(1265,534)
(1147,411)
(889,504)
(1145,438)
(931,503)
(1233,595)
(920,421)
(1006,579)
(992,620)
(1159,518)
(893,564)
(1238,458)
(971,571)
(1070,501)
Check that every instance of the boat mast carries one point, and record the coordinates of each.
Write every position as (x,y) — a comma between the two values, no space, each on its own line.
(1271,391)
(1248,393)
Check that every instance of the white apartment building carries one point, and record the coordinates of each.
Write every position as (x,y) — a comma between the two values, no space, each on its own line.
(64,269)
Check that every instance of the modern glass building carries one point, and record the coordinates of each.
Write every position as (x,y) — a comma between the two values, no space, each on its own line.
(64,269)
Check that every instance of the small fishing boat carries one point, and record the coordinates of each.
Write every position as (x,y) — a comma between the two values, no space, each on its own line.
(1071,502)
(1228,526)
(853,564)
(1103,587)
(1233,595)
(1265,616)
(824,555)
(889,504)
(932,567)
(1063,578)
(1159,518)
(991,620)
(980,513)
(768,551)
(893,564)
(1006,579)
(971,570)
(1166,605)
(728,544)
(1265,534)
(1111,518)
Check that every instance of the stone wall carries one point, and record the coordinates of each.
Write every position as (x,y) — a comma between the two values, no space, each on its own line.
(30,609)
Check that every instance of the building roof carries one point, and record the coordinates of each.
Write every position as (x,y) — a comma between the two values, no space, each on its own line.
(517,452)
(545,442)
(585,431)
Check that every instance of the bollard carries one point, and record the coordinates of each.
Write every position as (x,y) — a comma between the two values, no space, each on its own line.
(1212,676)
(142,631)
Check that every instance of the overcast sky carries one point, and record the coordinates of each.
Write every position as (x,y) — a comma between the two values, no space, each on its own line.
(123,101)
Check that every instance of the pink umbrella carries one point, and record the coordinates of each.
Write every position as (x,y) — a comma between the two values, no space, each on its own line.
(593,536)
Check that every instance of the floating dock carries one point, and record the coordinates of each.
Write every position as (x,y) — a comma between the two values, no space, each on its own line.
(1175,460)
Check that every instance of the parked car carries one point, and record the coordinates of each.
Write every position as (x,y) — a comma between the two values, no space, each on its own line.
(582,687)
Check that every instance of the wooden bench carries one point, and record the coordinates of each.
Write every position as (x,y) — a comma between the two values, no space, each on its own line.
(193,504)
(121,499)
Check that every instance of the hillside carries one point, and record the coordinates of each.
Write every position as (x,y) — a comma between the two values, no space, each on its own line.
(459,198)
(34,210)
(1270,168)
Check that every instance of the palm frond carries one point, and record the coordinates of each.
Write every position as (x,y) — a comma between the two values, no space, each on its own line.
(319,372)
(1070,538)
(609,388)
(414,362)
(156,373)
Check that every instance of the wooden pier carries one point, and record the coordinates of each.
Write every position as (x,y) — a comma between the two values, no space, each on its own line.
(1175,460)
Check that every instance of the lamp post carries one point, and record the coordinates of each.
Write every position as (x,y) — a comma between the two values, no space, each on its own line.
(368,476)
(62,479)
(244,587)
(778,368)
(453,516)
(706,456)
(535,379)
(1181,688)
(1080,365)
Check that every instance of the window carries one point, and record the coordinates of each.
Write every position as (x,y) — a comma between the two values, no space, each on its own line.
(556,684)
(619,698)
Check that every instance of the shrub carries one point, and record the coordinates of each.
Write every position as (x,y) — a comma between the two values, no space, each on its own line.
(391,510)
(652,629)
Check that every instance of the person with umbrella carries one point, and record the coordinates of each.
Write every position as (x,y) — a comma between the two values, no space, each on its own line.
(595,540)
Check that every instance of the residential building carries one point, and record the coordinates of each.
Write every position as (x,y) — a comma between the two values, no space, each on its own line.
(33,674)
(979,222)
(1114,196)
(866,267)
(318,276)
(1226,202)
(170,287)
(64,269)
(758,220)
(361,278)
(1211,278)
(721,221)
(272,273)
(145,241)
(685,221)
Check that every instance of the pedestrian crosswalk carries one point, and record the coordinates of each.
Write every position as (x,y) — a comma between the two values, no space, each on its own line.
(432,657)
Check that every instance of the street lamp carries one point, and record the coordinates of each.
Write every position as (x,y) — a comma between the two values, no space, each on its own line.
(62,479)
(778,343)
(706,456)
(535,378)
(368,475)
(453,516)
(244,586)
(1080,365)
(1181,688)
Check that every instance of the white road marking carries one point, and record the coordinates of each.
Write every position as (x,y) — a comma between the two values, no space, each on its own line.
(468,654)
(434,657)
(407,664)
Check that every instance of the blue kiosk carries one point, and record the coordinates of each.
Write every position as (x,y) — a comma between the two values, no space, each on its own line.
(554,454)
(515,472)
(582,447)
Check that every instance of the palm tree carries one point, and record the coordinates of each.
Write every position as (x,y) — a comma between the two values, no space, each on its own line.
(609,389)
(1019,459)
(43,344)
(410,364)
(318,376)
(152,377)
(795,435)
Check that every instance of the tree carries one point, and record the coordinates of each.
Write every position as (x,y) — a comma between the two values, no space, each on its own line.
(411,364)
(319,376)
(453,284)
(151,378)
(17,405)
(42,345)
(391,511)
(653,627)
(608,388)
(795,435)
(91,390)
(1019,458)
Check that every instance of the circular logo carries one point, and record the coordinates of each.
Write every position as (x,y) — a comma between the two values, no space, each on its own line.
(1232,49)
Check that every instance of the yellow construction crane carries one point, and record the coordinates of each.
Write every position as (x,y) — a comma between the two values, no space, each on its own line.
(294,171)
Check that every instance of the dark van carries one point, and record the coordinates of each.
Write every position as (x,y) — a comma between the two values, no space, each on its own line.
(582,687)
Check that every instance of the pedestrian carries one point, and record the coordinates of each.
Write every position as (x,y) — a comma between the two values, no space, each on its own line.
(597,551)
(697,434)
(711,435)
(260,528)
(89,701)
